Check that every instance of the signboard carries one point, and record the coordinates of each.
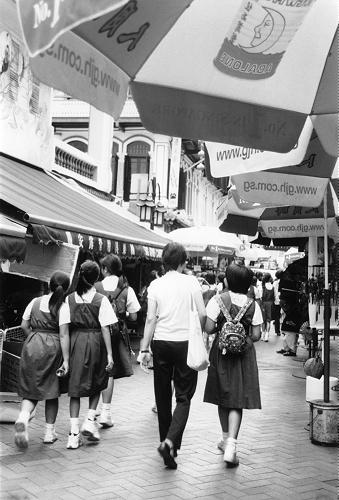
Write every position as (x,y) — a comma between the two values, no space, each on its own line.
(43,260)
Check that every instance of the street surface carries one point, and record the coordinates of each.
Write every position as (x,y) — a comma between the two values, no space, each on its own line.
(277,458)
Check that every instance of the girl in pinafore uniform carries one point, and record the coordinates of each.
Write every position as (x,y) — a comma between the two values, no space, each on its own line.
(91,351)
(232,381)
(46,349)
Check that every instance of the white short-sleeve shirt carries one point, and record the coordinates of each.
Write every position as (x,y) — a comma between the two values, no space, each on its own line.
(172,294)
(132,304)
(106,314)
(238,299)
(63,317)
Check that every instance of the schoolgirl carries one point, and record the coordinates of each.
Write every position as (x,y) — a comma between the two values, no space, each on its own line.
(90,314)
(46,349)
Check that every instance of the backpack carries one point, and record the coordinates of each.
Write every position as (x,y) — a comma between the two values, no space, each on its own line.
(118,301)
(232,335)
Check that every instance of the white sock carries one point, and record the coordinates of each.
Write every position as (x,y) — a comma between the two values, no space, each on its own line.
(24,416)
(106,407)
(91,414)
(50,427)
(225,436)
(231,440)
(75,425)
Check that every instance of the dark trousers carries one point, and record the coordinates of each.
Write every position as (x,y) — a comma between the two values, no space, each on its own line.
(276,317)
(169,362)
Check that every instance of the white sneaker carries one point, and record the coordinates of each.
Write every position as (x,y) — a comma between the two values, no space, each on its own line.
(74,441)
(230,454)
(21,434)
(221,445)
(90,430)
(106,419)
(50,436)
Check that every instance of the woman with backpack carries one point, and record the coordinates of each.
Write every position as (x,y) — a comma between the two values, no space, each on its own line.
(232,381)
(125,304)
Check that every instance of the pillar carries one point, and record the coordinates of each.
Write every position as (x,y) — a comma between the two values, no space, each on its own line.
(100,141)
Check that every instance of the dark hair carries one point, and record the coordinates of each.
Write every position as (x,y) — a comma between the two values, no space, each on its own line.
(254,280)
(88,275)
(210,278)
(58,285)
(112,263)
(267,278)
(221,277)
(239,278)
(173,255)
(259,275)
(279,273)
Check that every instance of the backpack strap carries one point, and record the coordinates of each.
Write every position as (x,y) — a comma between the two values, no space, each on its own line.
(243,310)
(223,308)
(226,312)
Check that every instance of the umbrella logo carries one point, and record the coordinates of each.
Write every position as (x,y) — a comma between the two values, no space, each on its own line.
(258,38)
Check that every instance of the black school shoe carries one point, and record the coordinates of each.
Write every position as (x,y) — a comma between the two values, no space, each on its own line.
(165,451)
(290,353)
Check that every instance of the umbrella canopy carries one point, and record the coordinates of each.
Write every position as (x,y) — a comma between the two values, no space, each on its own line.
(285,194)
(206,239)
(245,73)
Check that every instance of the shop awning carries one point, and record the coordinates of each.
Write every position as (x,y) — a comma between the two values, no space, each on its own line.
(56,213)
(12,240)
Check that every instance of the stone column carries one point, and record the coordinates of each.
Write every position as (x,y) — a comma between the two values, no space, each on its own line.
(120,177)
(100,141)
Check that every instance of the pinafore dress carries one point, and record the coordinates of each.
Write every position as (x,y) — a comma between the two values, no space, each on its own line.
(41,356)
(88,355)
(121,345)
(233,380)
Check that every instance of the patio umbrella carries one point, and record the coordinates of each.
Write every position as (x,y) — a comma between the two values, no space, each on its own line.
(206,239)
(245,73)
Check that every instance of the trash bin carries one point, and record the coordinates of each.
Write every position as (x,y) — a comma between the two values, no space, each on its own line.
(324,421)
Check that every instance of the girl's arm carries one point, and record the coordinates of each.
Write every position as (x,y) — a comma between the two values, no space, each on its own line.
(26,326)
(210,326)
(64,342)
(107,339)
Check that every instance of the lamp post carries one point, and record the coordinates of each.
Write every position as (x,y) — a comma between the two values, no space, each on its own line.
(152,211)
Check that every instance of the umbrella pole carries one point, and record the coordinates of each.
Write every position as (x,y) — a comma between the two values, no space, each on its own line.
(327,308)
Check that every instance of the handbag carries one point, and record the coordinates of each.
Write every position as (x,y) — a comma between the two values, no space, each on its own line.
(197,357)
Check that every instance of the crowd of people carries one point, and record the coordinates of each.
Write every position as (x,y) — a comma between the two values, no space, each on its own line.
(78,343)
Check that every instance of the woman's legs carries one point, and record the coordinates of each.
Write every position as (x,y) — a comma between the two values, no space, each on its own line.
(107,394)
(21,424)
(51,411)
(74,438)
(230,421)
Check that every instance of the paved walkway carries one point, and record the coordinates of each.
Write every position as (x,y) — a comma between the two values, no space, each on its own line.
(277,458)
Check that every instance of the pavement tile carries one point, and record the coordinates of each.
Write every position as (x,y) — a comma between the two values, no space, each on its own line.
(277,458)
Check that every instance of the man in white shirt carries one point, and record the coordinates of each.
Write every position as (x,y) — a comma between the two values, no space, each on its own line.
(169,301)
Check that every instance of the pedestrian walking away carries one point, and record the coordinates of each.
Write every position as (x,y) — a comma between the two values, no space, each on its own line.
(167,326)
(276,305)
(232,380)
(125,305)
(44,353)
(90,315)
(267,305)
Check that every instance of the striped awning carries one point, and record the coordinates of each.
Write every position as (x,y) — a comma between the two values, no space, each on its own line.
(55,213)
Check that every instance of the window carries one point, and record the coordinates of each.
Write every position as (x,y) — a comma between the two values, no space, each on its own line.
(136,170)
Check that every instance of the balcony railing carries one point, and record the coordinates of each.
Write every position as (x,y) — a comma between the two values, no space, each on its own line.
(74,160)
